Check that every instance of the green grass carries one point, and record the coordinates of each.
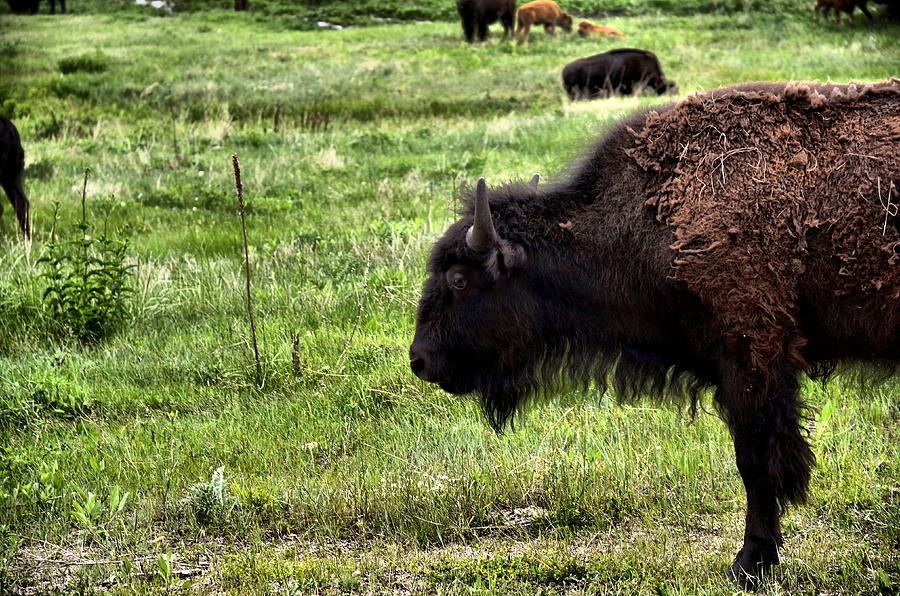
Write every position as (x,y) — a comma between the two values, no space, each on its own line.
(347,474)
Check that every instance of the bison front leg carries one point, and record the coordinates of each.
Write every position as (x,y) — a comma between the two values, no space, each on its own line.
(482,28)
(773,458)
(17,197)
(523,29)
(508,27)
(862,7)
(469,30)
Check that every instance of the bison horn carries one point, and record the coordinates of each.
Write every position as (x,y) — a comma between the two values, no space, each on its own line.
(534,181)
(482,235)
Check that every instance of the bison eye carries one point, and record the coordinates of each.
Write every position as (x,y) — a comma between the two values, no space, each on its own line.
(458,282)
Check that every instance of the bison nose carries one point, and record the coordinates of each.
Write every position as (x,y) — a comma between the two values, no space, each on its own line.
(418,367)
(418,363)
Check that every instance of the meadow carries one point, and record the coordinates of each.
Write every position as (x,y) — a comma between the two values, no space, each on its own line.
(150,457)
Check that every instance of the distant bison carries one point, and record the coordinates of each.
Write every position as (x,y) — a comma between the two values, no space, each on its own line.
(31,6)
(840,6)
(476,15)
(617,72)
(586,29)
(541,12)
(12,171)
(732,241)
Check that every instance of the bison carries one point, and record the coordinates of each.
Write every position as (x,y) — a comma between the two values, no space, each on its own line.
(541,12)
(620,71)
(728,242)
(12,171)
(476,15)
(31,6)
(840,6)
(587,29)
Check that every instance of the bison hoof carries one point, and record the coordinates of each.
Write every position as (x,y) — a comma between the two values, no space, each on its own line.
(752,563)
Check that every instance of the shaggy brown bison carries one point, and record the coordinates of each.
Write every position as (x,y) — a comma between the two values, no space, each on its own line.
(541,12)
(587,29)
(617,72)
(731,241)
(840,6)
(12,171)
(476,15)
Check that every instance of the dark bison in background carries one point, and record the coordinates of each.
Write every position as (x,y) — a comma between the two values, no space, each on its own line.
(476,15)
(731,241)
(617,72)
(31,6)
(12,171)
(840,6)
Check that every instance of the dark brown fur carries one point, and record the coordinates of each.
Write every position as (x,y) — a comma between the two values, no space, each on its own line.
(476,15)
(707,245)
(12,172)
(23,6)
(622,71)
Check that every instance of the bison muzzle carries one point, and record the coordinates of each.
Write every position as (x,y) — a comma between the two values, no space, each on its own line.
(729,242)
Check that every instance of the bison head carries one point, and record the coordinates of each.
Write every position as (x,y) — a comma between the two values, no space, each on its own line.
(478,327)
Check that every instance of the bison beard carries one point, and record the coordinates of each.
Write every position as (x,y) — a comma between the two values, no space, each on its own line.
(731,241)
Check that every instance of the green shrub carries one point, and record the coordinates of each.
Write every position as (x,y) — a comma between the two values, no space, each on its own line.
(87,292)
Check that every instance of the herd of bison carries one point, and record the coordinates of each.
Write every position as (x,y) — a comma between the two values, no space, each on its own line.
(727,243)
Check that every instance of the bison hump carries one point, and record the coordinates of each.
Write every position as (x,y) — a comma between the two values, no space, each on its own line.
(745,174)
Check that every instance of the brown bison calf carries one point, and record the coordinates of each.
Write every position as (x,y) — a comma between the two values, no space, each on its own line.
(586,28)
(840,6)
(541,12)
(12,171)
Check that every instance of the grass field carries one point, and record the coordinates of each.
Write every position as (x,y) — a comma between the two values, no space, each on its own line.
(152,460)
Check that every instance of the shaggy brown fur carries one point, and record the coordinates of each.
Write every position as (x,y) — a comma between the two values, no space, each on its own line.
(840,6)
(745,175)
(586,28)
(541,12)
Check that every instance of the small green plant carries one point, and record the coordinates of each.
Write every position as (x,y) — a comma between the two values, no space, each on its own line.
(208,499)
(165,567)
(86,508)
(87,280)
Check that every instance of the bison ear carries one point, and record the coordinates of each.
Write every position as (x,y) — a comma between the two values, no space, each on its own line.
(506,257)
(513,256)
(534,181)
